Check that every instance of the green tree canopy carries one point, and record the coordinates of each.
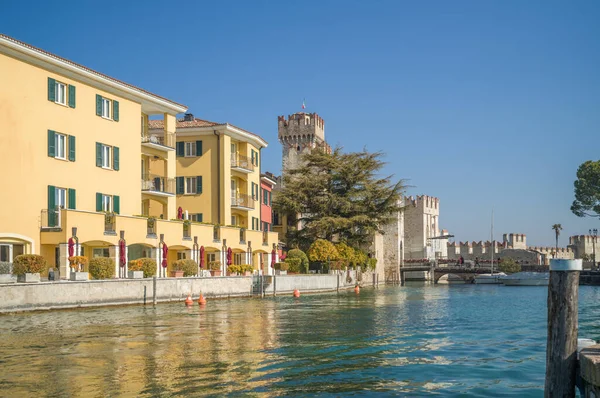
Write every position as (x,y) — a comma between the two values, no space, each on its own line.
(587,190)
(338,195)
(322,250)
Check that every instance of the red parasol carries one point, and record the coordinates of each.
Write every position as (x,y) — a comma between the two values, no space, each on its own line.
(229,256)
(165,252)
(273,259)
(122,249)
(201,256)
(71,247)
(180,213)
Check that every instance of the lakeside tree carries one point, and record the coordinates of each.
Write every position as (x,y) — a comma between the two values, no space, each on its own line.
(338,195)
(509,266)
(587,190)
(557,228)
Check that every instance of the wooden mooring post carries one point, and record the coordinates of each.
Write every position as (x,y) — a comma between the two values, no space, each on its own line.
(561,347)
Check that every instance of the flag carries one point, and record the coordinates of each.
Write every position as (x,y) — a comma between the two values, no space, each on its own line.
(304,104)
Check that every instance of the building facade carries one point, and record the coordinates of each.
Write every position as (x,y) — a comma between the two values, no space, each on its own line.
(267,182)
(74,167)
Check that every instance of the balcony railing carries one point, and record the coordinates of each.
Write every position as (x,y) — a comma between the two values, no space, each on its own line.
(243,235)
(242,200)
(51,218)
(154,183)
(110,223)
(165,139)
(151,227)
(242,162)
(187,230)
(216,233)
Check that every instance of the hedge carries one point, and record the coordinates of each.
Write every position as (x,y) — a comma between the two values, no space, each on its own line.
(28,264)
(189,267)
(299,254)
(102,268)
(148,265)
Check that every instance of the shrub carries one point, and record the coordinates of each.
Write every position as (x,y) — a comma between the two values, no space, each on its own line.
(322,250)
(189,267)
(293,263)
(148,265)
(362,259)
(28,264)
(347,255)
(371,264)
(5,267)
(299,254)
(214,265)
(246,268)
(102,267)
(509,266)
(281,266)
(233,269)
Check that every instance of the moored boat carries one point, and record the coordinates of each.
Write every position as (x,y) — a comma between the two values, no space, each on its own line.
(527,279)
(489,279)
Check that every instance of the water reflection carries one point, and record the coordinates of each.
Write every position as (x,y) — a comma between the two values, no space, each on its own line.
(414,341)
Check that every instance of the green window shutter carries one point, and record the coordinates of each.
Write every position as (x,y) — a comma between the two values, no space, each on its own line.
(51,206)
(116,204)
(256,159)
(116,111)
(198,148)
(71,96)
(98,201)
(180,149)
(252,153)
(98,154)
(71,148)
(199,184)
(179,187)
(51,143)
(116,158)
(51,89)
(72,203)
(98,105)
(199,217)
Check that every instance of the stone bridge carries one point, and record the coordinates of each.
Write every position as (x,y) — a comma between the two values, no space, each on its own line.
(465,273)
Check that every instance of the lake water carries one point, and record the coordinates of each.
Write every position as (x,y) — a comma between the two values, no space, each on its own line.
(397,341)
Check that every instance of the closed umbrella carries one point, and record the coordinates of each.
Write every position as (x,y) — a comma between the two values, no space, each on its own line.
(201,256)
(165,251)
(180,213)
(229,255)
(273,259)
(71,247)
(122,258)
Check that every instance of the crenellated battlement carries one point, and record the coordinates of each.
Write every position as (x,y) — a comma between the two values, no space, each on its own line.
(550,249)
(582,239)
(299,134)
(423,201)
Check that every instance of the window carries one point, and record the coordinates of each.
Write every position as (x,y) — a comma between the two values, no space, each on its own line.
(255,224)
(190,149)
(266,226)
(254,157)
(196,217)
(61,93)
(211,257)
(107,203)
(60,198)
(238,258)
(234,220)
(101,252)
(254,191)
(60,142)
(190,185)
(106,156)
(181,256)
(266,197)
(105,108)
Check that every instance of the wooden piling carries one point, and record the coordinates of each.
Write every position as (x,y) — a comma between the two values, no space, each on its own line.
(561,347)
(154,290)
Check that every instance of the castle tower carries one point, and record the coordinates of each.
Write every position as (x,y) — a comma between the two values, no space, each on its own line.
(300,133)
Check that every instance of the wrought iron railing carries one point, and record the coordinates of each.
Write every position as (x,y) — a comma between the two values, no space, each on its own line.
(241,161)
(154,183)
(216,233)
(51,218)
(242,200)
(151,226)
(243,235)
(187,230)
(164,139)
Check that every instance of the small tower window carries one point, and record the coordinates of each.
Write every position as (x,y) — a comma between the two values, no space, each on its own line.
(298,148)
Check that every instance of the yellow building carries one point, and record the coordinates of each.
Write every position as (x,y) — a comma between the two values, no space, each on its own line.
(72,158)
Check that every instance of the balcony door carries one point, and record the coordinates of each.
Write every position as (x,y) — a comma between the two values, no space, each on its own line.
(234,188)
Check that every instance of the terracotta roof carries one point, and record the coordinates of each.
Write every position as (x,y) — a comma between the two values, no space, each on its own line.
(86,68)
(182,123)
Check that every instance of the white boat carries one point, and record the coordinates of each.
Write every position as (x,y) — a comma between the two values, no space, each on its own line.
(527,279)
(489,279)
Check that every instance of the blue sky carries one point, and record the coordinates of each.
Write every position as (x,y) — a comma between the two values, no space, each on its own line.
(484,104)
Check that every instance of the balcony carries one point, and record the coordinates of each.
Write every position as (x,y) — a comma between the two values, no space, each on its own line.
(242,202)
(110,221)
(157,185)
(164,141)
(241,163)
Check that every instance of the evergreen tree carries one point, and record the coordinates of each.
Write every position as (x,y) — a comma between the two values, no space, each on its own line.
(587,190)
(338,195)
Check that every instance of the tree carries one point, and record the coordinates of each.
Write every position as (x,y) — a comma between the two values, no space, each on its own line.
(301,256)
(322,251)
(587,190)
(557,228)
(338,195)
(509,266)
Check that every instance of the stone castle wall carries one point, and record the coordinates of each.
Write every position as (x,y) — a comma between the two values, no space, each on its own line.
(299,134)
(421,222)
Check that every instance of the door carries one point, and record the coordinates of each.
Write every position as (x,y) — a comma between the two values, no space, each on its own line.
(233,192)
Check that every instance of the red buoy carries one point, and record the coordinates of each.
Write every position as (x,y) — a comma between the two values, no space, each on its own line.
(188,300)
(356,289)
(201,300)
(296,293)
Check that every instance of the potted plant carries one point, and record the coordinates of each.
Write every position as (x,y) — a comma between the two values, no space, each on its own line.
(247,269)
(27,267)
(141,268)
(281,268)
(78,264)
(215,268)
(177,271)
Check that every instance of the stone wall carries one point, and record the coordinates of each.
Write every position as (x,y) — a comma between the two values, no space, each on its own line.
(421,221)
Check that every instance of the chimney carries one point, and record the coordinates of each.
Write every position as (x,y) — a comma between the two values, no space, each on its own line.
(188,117)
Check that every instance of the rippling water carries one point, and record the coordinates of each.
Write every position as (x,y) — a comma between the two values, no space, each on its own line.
(397,341)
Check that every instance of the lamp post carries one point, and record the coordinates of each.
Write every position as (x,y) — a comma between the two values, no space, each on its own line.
(594,233)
